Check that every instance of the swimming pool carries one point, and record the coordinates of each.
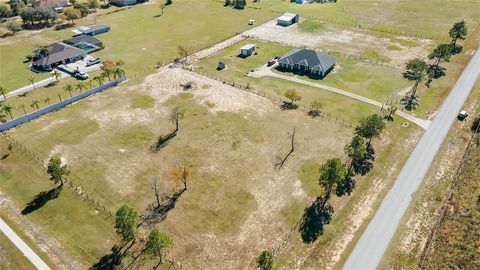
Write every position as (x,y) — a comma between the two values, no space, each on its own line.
(85,47)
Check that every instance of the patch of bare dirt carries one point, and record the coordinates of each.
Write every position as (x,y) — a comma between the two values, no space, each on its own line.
(350,41)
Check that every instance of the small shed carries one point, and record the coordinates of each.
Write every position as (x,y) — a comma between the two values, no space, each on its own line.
(288,19)
(93,30)
(247,50)
(220,65)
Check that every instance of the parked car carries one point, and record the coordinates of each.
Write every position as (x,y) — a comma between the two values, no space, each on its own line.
(92,62)
(462,115)
(80,75)
(271,63)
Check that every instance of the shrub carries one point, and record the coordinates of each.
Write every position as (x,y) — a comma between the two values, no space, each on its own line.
(476,124)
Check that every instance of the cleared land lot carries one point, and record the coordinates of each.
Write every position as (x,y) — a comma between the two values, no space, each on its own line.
(370,45)
(237,204)
(426,17)
(195,28)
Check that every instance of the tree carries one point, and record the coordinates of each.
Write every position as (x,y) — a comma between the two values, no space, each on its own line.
(265,260)
(48,100)
(168,2)
(22,106)
(416,70)
(126,222)
(183,52)
(156,244)
(175,115)
(90,83)
(228,3)
(3,93)
(293,96)
(8,109)
(162,7)
(68,88)
(458,31)
(93,4)
(370,127)
(182,173)
(80,86)
(82,7)
(107,72)
(356,150)
(35,104)
(332,173)
(31,79)
(99,80)
(56,74)
(441,53)
(118,72)
(120,63)
(315,108)
(71,14)
(57,170)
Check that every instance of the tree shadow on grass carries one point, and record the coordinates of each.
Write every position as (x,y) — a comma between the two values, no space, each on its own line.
(110,261)
(156,214)
(41,199)
(162,141)
(314,218)
(288,106)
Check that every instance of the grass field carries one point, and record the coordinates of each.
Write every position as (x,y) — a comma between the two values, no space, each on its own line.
(435,16)
(232,131)
(194,28)
(370,80)
(10,257)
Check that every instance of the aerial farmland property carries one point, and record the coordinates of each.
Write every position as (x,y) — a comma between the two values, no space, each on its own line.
(239,134)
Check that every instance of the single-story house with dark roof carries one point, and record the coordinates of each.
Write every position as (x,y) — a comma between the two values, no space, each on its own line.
(59,53)
(309,61)
(85,42)
(93,30)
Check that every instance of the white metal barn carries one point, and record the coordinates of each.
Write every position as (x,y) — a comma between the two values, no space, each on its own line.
(288,19)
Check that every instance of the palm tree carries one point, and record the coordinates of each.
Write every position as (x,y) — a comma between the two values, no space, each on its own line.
(35,104)
(120,63)
(107,72)
(22,106)
(32,81)
(3,92)
(90,83)
(44,51)
(80,86)
(48,100)
(118,72)
(7,108)
(99,80)
(56,74)
(68,88)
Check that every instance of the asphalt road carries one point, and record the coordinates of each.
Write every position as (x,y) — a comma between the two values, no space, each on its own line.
(267,71)
(23,247)
(370,248)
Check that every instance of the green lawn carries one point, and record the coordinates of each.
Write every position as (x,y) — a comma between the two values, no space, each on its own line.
(158,39)
(370,80)
(427,17)
(11,257)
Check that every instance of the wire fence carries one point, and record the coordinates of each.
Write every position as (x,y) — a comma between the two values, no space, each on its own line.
(443,208)
(333,52)
(78,190)
(274,98)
